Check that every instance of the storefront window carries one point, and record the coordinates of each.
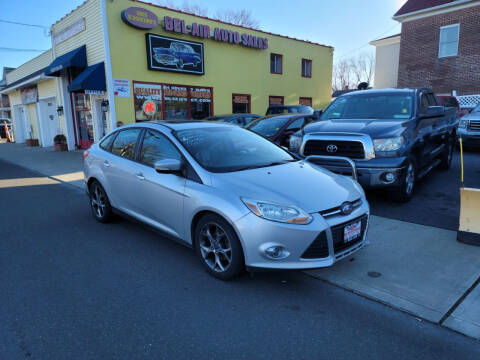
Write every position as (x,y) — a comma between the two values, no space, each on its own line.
(275,100)
(240,103)
(305,101)
(84,121)
(147,101)
(154,101)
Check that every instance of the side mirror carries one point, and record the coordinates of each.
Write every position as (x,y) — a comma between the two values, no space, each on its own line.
(168,166)
(433,111)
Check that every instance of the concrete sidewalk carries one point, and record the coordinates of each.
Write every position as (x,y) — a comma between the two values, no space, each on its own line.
(64,166)
(415,268)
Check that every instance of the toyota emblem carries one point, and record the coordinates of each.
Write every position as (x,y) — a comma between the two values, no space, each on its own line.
(346,208)
(332,148)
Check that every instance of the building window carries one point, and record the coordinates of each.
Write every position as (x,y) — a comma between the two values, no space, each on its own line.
(449,36)
(307,101)
(306,68)
(275,100)
(276,66)
(241,103)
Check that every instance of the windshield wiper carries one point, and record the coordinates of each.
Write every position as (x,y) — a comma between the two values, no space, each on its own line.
(274,163)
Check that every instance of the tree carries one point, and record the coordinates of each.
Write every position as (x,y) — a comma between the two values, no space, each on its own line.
(240,17)
(348,73)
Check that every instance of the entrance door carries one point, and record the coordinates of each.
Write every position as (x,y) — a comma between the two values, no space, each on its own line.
(19,124)
(83,120)
(50,121)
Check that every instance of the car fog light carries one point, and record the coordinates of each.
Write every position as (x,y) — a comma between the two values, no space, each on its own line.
(276,252)
(388,177)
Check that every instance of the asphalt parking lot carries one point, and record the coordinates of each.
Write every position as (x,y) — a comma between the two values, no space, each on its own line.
(437,198)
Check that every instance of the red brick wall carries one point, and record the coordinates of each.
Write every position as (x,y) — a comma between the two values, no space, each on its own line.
(419,63)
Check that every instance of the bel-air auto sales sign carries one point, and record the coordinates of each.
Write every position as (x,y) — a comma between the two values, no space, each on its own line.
(144,19)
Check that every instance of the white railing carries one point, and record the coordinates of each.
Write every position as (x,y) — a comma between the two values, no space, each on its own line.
(468,101)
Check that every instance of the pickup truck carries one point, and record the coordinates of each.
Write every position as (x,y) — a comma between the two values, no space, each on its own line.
(394,136)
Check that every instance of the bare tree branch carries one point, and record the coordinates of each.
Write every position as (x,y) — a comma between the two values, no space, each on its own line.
(349,73)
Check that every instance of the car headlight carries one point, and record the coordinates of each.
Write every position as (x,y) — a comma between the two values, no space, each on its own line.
(463,124)
(282,213)
(295,143)
(390,144)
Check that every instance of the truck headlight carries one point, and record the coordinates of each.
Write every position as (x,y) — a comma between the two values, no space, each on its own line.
(295,143)
(463,124)
(282,213)
(390,144)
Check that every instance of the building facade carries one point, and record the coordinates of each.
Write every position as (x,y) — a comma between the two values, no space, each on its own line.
(128,61)
(387,56)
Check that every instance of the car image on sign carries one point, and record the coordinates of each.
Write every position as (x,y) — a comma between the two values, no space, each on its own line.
(177,54)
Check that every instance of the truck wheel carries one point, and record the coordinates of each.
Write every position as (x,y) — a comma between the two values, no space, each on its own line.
(404,192)
(447,154)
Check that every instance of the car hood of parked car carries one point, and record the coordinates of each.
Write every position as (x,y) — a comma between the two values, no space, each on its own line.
(376,128)
(302,184)
(472,116)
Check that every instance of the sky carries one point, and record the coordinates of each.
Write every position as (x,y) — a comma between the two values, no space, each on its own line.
(347,25)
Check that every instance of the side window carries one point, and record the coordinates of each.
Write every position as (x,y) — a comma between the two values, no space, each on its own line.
(124,143)
(105,143)
(157,147)
(423,103)
(432,100)
(297,124)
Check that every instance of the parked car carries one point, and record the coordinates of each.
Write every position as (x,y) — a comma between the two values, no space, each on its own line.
(236,198)
(394,136)
(469,128)
(178,54)
(289,109)
(237,119)
(451,101)
(2,127)
(279,128)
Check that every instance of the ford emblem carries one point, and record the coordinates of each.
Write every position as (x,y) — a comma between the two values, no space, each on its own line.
(332,148)
(346,208)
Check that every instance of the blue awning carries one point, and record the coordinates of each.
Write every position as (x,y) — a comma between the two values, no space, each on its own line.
(92,78)
(76,58)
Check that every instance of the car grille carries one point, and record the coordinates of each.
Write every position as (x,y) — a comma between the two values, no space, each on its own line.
(337,233)
(350,149)
(474,125)
(318,248)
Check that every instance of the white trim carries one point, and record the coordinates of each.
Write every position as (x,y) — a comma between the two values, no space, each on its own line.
(34,80)
(108,66)
(388,41)
(436,10)
(440,40)
(67,113)
(41,132)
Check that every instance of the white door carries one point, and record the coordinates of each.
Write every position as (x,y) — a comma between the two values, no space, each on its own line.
(50,121)
(19,124)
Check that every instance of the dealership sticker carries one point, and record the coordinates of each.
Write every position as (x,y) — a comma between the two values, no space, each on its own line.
(121,87)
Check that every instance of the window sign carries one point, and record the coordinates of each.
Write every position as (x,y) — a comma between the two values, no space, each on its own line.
(200,102)
(168,54)
(240,103)
(69,32)
(121,87)
(176,102)
(147,101)
(29,95)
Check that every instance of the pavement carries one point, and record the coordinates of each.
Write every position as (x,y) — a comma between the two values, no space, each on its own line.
(73,288)
(413,264)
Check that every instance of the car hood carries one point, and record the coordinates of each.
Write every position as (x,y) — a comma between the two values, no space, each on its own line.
(471,116)
(299,183)
(376,128)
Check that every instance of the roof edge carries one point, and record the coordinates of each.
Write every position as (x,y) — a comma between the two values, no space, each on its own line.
(430,9)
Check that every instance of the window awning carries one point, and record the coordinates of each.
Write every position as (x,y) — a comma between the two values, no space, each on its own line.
(91,79)
(76,58)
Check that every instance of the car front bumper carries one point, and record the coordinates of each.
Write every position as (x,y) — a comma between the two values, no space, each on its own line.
(257,234)
(469,137)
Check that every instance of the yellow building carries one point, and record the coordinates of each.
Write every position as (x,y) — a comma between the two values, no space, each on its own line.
(133,61)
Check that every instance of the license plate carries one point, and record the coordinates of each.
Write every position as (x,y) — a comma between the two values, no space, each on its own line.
(352,231)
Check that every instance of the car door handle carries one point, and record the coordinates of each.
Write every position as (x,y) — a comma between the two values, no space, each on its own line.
(140,176)
(106,163)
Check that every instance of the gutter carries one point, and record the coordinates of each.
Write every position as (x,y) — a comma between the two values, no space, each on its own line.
(34,80)
(399,18)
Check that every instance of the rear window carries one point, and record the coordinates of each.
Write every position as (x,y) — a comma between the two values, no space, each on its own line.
(268,127)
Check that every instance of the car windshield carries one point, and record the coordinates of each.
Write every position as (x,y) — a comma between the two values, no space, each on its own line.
(268,126)
(371,106)
(228,148)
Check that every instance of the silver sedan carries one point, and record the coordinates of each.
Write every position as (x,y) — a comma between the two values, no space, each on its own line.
(236,198)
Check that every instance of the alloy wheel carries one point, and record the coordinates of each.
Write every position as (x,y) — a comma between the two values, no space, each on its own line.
(98,200)
(215,247)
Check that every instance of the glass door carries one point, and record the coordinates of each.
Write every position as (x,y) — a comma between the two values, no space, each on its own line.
(83,119)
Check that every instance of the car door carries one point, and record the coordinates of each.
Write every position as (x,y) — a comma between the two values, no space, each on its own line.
(161,195)
(291,129)
(425,132)
(119,169)
(440,129)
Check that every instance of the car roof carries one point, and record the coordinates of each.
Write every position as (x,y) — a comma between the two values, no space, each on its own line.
(379,91)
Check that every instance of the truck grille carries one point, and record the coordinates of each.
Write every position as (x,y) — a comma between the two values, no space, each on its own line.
(350,149)
(474,125)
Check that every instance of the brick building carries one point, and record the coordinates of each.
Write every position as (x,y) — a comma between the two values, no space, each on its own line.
(439,46)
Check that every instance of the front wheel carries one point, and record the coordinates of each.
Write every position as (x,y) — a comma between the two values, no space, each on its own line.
(99,203)
(447,154)
(218,247)
(404,192)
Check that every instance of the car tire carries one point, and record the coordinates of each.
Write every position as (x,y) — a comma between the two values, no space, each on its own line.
(218,247)
(180,64)
(447,154)
(404,192)
(99,203)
